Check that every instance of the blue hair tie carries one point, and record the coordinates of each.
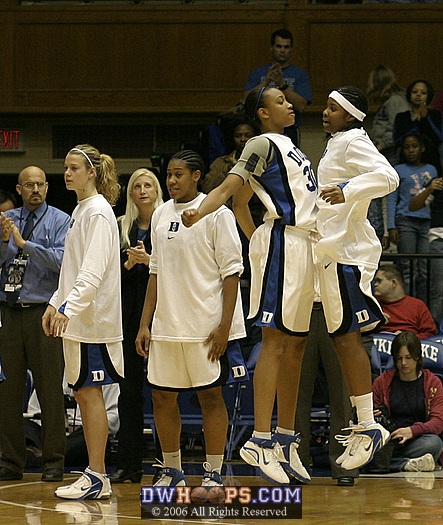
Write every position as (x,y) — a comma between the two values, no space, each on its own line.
(258,101)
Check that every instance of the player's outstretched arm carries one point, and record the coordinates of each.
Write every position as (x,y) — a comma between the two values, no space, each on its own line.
(213,200)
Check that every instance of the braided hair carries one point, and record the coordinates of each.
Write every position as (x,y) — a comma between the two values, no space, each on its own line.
(193,160)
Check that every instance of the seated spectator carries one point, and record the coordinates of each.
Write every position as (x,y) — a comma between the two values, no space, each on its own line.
(411,399)
(402,311)
(7,200)
(222,165)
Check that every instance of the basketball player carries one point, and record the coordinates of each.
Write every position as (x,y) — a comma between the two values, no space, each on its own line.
(194,304)
(282,287)
(86,308)
(351,172)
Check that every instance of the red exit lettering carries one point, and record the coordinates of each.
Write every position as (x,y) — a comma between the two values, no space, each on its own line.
(9,139)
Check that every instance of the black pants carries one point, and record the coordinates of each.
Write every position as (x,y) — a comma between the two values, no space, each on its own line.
(23,345)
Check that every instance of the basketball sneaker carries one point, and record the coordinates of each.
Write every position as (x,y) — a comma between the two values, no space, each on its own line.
(260,453)
(286,451)
(211,478)
(424,463)
(90,485)
(345,440)
(170,477)
(361,444)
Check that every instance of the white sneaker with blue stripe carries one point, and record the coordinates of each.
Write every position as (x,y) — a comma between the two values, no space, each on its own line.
(90,485)
(170,477)
(211,478)
(286,450)
(361,444)
(260,453)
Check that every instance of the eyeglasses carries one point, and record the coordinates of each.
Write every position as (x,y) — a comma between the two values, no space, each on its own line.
(31,185)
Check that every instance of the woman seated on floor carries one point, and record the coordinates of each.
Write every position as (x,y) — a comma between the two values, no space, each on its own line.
(410,399)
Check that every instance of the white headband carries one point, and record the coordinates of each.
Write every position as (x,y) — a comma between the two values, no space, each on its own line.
(83,153)
(345,104)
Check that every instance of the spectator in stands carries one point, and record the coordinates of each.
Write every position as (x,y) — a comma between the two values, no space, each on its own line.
(319,355)
(290,79)
(7,200)
(402,311)
(412,399)
(144,194)
(389,97)
(427,122)
(386,93)
(221,166)
(432,196)
(409,229)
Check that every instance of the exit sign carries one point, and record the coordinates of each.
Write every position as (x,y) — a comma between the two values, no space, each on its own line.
(11,140)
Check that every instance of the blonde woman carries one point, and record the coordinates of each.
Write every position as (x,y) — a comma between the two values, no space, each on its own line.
(386,93)
(144,195)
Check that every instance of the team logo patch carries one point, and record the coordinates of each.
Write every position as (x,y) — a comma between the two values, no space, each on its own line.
(267,317)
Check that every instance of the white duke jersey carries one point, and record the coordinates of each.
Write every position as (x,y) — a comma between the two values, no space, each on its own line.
(191,264)
(352,162)
(282,177)
(89,285)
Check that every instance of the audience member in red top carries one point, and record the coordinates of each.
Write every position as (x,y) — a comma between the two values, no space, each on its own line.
(403,312)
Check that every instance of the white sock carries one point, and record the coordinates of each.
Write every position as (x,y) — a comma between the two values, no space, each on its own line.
(216,462)
(365,408)
(285,431)
(173,459)
(261,435)
(352,399)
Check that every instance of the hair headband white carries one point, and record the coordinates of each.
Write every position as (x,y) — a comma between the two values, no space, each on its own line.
(83,153)
(345,104)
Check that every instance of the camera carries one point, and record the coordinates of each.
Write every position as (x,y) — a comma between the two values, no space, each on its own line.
(385,418)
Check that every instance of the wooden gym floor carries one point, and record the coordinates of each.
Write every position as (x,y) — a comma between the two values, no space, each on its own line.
(407,498)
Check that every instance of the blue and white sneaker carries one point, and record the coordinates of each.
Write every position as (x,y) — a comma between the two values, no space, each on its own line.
(170,477)
(260,453)
(361,444)
(286,450)
(90,485)
(211,478)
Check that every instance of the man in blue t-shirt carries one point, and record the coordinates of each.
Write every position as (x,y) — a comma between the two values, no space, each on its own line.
(292,80)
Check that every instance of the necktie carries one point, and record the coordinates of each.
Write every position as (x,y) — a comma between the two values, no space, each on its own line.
(28,226)
(11,297)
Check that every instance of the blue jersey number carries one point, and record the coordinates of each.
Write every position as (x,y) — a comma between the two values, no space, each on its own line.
(310,175)
(293,155)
